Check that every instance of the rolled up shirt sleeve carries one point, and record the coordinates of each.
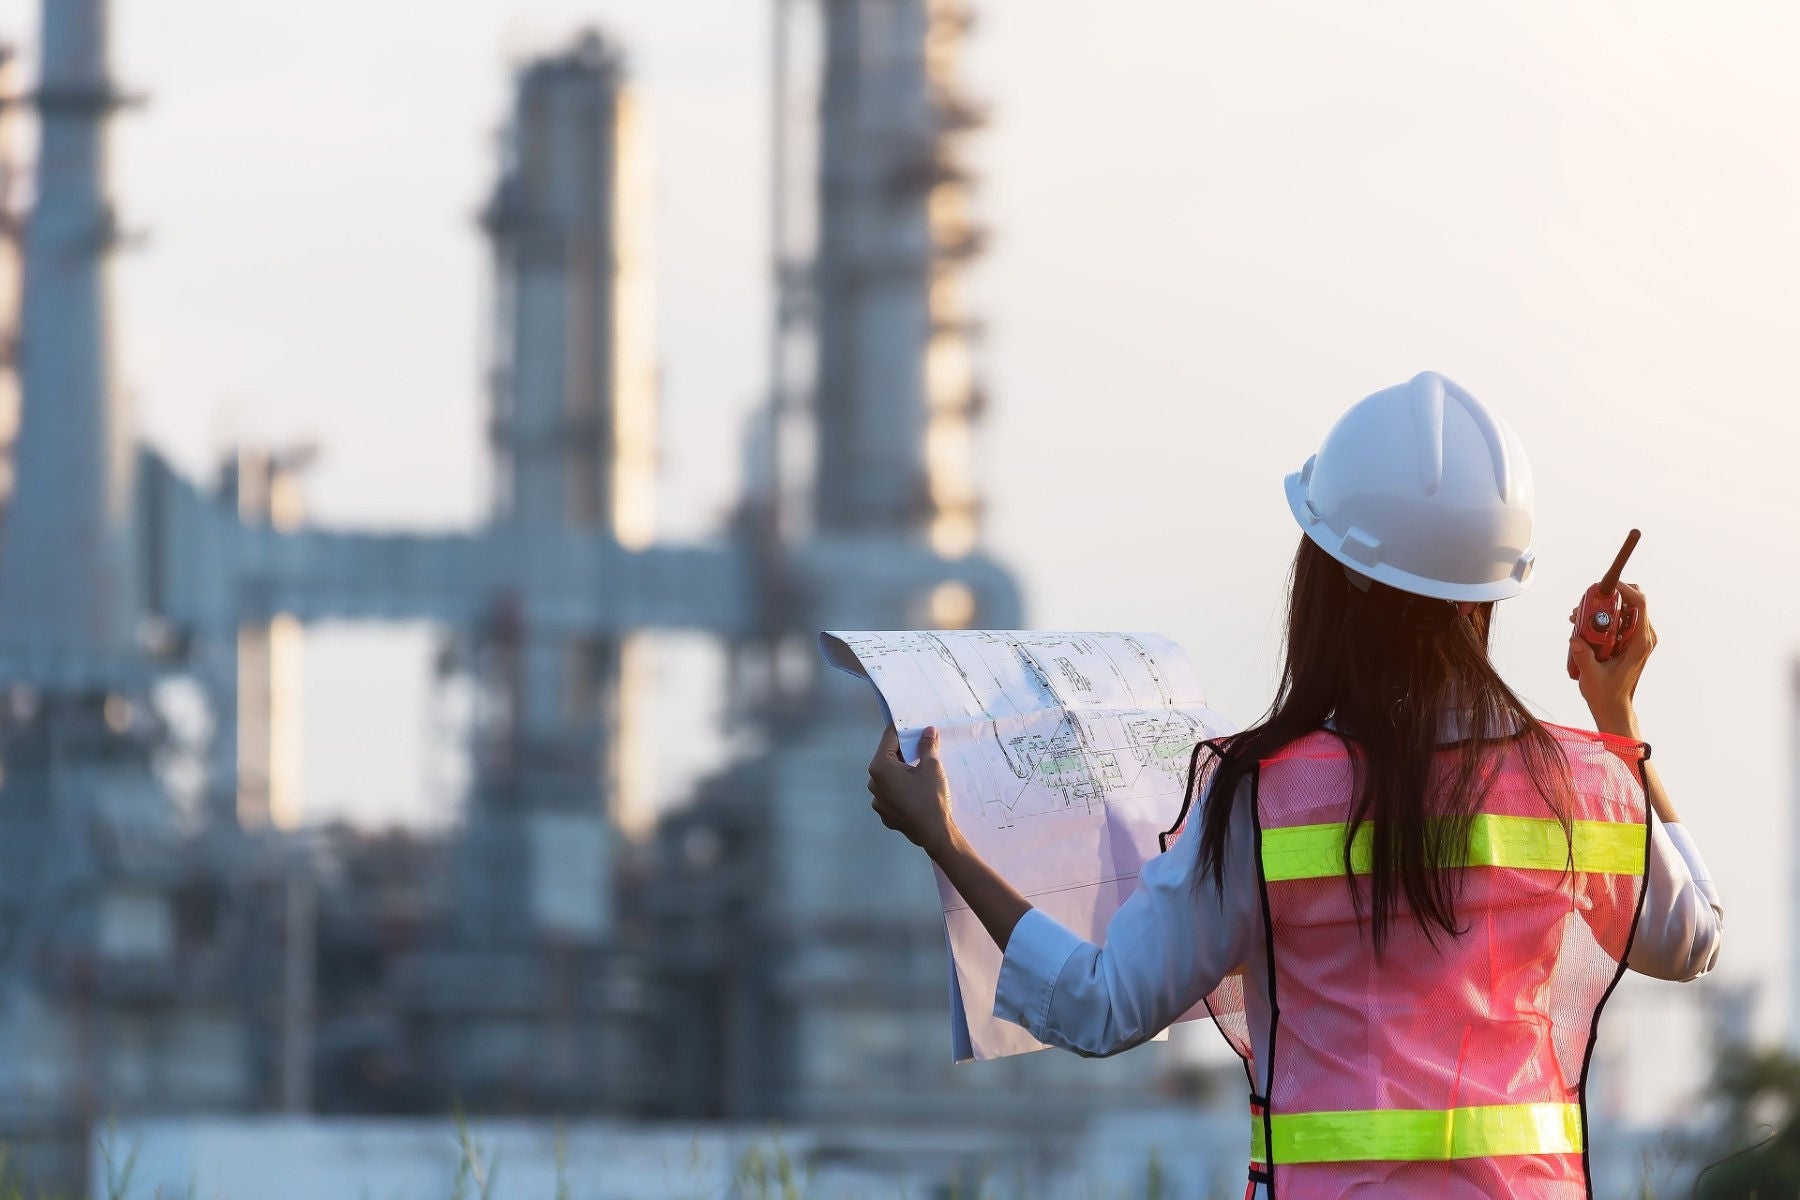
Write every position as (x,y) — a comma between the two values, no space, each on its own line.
(1168,945)
(1683,918)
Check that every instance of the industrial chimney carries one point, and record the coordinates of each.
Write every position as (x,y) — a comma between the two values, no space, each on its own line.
(68,596)
(1793,937)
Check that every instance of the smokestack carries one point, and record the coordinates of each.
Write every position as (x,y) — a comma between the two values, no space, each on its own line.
(896,392)
(1793,936)
(68,583)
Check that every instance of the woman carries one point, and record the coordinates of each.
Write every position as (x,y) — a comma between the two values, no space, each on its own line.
(1403,896)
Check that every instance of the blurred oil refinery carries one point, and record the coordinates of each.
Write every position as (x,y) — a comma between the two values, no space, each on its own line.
(561,952)
(763,952)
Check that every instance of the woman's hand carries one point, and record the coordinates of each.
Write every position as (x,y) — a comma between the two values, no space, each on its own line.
(1609,687)
(912,797)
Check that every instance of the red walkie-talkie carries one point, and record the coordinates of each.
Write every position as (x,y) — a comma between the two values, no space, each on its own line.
(1603,620)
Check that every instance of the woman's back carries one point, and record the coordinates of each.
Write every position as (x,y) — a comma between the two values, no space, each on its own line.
(1455,1063)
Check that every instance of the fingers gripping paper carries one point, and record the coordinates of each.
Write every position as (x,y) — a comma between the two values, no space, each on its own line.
(1066,755)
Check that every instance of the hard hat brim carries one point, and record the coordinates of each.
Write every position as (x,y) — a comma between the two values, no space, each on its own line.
(1332,542)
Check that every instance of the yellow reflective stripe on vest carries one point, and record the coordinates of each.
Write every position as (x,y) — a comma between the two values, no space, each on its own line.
(1419,1135)
(1523,843)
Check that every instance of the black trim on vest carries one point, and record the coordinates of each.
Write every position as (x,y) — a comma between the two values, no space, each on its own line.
(1217,746)
(1587,1171)
(1262,884)
(1162,841)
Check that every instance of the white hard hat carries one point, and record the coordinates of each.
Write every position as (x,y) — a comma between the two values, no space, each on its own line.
(1424,488)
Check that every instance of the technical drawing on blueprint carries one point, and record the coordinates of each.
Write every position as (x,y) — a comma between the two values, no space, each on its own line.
(1066,755)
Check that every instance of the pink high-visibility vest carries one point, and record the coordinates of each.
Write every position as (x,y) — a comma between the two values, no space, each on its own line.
(1455,1072)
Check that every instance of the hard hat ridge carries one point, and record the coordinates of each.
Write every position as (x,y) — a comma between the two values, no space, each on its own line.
(1429,391)
(1422,487)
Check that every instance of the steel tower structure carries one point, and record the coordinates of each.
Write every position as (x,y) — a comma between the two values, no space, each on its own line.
(70,620)
(109,998)
(801,944)
(1793,933)
(895,386)
(10,174)
(572,432)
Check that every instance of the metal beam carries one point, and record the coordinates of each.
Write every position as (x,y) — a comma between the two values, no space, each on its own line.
(207,571)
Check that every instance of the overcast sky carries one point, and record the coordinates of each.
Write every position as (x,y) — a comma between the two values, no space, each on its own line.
(1216,225)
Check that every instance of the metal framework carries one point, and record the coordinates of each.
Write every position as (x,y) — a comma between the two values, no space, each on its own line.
(861,509)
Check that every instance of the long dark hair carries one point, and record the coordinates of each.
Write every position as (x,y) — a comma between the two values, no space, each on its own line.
(1385,665)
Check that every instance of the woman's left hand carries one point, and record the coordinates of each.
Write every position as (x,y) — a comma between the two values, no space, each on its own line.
(913,798)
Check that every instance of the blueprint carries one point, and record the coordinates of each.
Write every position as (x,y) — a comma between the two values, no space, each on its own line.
(1066,755)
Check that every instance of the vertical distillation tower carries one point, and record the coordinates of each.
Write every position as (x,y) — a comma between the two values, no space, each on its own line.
(1793,930)
(73,614)
(848,1021)
(75,740)
(99,1014)
(573,445)
(9,264)
(895,391)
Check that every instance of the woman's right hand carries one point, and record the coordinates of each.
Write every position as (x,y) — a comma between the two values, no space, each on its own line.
(1609,687)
